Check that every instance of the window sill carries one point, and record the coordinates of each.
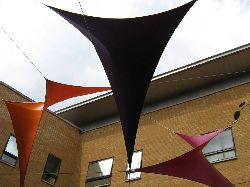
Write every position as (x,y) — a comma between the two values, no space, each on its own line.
(101,185)
(2,161)
(131,180)
(48,183)
(99,178)
(223,160)
(219,151)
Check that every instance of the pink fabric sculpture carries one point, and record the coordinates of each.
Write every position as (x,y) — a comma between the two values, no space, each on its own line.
(192,165)
(197,140)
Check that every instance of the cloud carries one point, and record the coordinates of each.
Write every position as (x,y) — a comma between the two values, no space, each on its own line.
(128,8)
(211,27)
(63,54)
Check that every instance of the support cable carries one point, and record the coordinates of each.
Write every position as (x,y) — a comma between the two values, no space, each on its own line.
(19,48)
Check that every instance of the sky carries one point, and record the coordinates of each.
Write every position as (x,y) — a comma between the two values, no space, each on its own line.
(64,55)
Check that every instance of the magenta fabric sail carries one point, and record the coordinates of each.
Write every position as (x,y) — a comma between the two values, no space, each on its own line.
(192,166)
(129,50)
(197,140)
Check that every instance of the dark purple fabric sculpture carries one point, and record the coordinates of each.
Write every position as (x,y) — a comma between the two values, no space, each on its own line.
(129,50)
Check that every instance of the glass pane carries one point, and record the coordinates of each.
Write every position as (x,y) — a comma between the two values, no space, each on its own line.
(229,154)
(136,160)
(136,164)
(10,160)
(100,168)
(10,154)
(221,142)
(12,146)
(51,170)
(99,182)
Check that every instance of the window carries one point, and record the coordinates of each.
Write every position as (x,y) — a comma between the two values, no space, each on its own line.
(136,164)
(51,170)
(221,147)
(99,173)
(10,153)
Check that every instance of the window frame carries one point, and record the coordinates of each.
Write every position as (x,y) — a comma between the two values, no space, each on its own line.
(100,177)
(223,150)
(9,154)
(127,172)
(45,181)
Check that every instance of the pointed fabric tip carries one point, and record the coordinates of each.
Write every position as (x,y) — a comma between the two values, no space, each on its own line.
(129,50)
(25,119)
(192,166)
(56,92)
(197,140)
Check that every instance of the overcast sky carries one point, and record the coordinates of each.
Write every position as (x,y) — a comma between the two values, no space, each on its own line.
(64,55)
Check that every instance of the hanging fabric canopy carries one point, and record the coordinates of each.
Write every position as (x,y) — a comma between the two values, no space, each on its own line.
(56,92)
(197,140)
(26,116)
(25,119)
(192,166)
(129,50)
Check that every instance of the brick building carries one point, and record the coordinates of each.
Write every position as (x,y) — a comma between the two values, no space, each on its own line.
(83,144)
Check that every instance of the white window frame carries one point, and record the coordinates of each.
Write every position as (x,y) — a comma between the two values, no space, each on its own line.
(9,155)
(53,176)
(108,176)
(227,153)
(132,174)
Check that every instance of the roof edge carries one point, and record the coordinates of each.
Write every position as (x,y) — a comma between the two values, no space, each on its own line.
(16,91)
(168,73)
(31,100)
(203,61)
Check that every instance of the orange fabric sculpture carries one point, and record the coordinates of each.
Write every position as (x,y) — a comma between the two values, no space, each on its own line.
(26,116)
(25,119)
(56,92)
